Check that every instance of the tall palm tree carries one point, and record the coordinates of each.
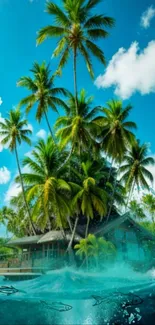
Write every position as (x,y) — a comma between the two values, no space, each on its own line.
(116,130)
(45,188)
(78,131)
(134,170)
(116,134)
(14,131)
(149,204)
(43,93)
(88,197)
(77,28)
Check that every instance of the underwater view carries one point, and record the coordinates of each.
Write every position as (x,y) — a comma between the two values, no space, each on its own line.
(117,296)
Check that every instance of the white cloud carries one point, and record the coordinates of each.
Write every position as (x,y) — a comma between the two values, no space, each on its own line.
(130,71)
(42,134)
(13,190)
(4,175)
(1,102)
(147,17)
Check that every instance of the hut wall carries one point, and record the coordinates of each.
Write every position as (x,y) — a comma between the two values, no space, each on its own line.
(129,244)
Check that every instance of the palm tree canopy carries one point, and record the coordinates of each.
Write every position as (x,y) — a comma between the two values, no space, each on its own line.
(149,203)
(78,130)
(98,246)
(93,246)
(89,197)
(137,210)
(45,187)
(116,131)
(14,130)
(134,168)
(77,28)
(43,93)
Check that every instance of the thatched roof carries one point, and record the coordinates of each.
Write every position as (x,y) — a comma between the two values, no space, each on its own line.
(101,229)
(54,235)
(24,241)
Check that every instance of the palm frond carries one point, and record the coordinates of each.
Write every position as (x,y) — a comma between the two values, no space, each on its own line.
(50,31)
(96,51)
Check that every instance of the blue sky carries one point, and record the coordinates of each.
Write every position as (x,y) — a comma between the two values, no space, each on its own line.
(130,73)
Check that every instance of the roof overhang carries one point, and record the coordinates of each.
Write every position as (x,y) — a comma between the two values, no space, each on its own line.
(24,241)
(51,236)
(56,236)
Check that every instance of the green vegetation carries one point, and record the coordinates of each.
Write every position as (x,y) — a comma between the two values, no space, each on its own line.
(95,249)
(6,253)
(88,169)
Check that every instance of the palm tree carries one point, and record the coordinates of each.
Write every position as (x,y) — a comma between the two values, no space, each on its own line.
(14,131)
(149,204)
(82,250)
(77,28)
(96,247)
(15,221)
(88,196)
(78,130)
(116,135)
(43,93)
(116,131)
(48,192)
(137,210)
(134,171)
(99,248)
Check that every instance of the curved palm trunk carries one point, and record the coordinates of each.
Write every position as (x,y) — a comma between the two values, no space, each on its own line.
(73,235)
(110,171)
(67,159)
(47,121)
(129,196)
(87,227)
(49,223)
(152,218)
(70,224)
(113,193)
(75,79)
(24,197)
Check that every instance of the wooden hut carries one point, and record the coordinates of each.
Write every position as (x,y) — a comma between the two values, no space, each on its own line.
(130,239)
(43,251)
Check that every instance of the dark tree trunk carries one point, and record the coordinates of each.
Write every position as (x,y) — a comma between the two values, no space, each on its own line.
(87,227)
(48,124)
(75,80)
(73,235)
(23,191)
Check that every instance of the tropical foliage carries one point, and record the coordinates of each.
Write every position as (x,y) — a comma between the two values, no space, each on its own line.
(43,93)
(78,130)
(81,175)
(137,210)
(77,29)
(14,131)
(149,204)
(95,248)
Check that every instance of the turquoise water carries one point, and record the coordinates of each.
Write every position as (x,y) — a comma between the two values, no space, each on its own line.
(116,296)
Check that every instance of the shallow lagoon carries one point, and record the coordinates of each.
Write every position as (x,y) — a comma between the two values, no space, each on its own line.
(116,296)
